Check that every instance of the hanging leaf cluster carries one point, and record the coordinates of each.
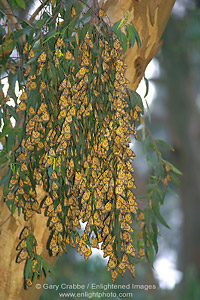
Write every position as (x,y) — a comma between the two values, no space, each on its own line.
(78,118)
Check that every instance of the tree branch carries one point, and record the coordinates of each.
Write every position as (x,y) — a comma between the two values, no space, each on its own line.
(10,15)
(32,18)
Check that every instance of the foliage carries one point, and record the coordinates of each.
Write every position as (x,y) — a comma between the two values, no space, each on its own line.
(73,122)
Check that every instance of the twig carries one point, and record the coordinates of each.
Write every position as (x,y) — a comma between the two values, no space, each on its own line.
(6,220)
(85,3)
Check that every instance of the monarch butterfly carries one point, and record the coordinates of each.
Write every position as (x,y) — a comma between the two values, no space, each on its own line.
(68,118)
(28,282)
(86,195)
(42,57)
(54,186)
(114,274)
(81,72)
(62,114)
(31,54)
(130,249)
(68,55)
(55,195)
(54,220)
(117,44)
(108,206)
(58,227)
(122,81)
(58,208)
(35,135)
(52,152)
(112,263)
(59,42)
(99,204)
(31,111)
(42,108)
(21,245)
(108,248)
(87,254)
(54,175)
(105,230)
(21,107)
(36,207)
(55,250)
(133,209)
(28,214)
(48,201)
(85,79)
(25,232)
(42,85)
(50,211)
(10,196)
(113,53)
(125,236)
(101,43)
(122,266)
(94,243)
(53,242)
(119,190)
(85,61)
(128,218)
(126,227)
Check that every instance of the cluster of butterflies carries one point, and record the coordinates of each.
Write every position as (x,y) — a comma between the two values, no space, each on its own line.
(76,145)
(27,249)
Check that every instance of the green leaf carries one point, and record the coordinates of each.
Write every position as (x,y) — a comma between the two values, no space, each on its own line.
(10,141)
(136,99)
(175,179)
(136,36)
(175,170)
(121,22)
(12,112)
(155,235)
(47,268)
(121,35)
(147,86)
(163,144)
(150,254)
(28,268)
(40,22)
(21,3)
(29,242)
(51,36)
(6,130)
(156,210)
(6,178)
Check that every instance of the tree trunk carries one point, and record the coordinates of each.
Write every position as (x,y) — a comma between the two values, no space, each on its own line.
(182,85)
(149,18)
(12,273)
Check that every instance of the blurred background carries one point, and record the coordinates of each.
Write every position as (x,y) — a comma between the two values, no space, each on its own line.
(174,104)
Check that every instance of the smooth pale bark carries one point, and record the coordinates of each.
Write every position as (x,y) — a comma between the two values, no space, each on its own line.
(149,18)
(12,273)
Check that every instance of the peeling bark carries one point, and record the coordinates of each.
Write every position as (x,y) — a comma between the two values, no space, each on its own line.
(149,18)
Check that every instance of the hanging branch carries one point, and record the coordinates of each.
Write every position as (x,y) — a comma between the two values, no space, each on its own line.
(32,18)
